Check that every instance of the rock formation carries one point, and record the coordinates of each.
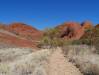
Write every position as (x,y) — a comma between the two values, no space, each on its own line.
(19,34)
(27,36)
(73,30)
(87,25)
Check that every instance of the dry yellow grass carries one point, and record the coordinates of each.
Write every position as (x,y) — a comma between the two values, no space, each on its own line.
(42,62)
(24,61)
(84,58)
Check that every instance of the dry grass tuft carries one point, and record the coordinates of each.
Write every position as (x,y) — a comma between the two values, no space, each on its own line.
(22,61)
(84,57)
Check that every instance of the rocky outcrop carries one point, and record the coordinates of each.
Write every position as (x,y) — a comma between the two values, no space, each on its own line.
(87,25)
(73,30)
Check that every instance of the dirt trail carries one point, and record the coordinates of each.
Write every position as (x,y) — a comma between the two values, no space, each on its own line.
(58,65)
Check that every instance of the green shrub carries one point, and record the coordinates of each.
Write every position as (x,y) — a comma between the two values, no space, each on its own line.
(52,32)
(52,38)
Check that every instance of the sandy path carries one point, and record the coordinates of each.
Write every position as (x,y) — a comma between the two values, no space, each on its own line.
(58,65)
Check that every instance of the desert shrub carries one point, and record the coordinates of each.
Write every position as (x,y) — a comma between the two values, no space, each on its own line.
(52,32)
(96,44)
(52,38)
(87,37)
(84,58)
(91,38)
(96,38)
(81,42)
(4,69)
(74,50)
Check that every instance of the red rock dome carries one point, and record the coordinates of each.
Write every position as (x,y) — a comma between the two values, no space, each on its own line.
(71,30)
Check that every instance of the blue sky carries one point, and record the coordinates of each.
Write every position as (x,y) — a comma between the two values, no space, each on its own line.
(48,13)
